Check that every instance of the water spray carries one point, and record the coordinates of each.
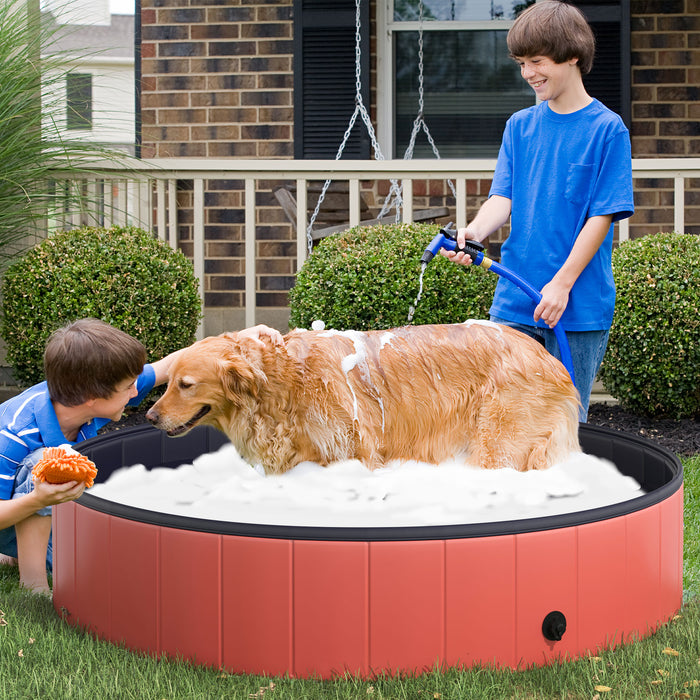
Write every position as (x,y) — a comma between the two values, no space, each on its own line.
(447,239)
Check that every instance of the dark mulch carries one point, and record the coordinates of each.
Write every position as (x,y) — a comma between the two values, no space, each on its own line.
(680,436)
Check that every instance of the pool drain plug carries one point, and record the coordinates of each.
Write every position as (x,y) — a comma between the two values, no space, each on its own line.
(554,626)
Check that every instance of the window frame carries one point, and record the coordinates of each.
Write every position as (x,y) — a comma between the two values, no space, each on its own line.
(387,27)
(595,12)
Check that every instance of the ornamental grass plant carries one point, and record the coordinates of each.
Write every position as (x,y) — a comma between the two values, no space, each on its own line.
(32,143)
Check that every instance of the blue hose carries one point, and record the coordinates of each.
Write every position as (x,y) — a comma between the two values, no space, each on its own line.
(559,332)
(447,238)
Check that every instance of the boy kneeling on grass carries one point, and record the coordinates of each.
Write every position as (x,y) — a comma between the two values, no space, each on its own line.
(93,371)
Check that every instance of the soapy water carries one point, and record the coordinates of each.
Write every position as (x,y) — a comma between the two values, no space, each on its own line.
(222,486)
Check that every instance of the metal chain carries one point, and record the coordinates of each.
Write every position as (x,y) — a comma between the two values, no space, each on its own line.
(394,198)
(419,122)
(361,110)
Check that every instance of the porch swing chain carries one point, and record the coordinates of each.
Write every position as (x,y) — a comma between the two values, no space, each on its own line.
(394,196)
(419,122)
(361,110)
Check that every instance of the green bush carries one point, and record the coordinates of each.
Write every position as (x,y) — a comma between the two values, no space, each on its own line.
(652,365)
(123,276)
(368,278)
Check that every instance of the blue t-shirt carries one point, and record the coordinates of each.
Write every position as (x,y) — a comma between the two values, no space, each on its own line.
(28,421)
(558,170)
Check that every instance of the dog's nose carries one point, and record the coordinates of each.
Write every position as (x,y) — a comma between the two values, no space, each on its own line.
(152,416)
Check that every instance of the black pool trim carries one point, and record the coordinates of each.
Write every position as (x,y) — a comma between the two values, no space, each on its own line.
(658,470)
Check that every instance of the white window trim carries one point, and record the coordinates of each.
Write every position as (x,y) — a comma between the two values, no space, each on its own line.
(386,27)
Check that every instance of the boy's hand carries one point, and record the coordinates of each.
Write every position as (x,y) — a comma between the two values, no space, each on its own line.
(555,298)
(53,494)
(461,258)
(257,332)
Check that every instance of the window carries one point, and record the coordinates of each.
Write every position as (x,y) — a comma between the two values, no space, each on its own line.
(79,101)
(470,85)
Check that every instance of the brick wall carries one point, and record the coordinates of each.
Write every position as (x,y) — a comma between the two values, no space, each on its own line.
(665,104)
(216,79)
(218,82)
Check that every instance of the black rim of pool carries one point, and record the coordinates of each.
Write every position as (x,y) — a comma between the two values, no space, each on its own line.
(612,444)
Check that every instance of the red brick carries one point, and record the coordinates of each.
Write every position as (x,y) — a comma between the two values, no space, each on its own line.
(217,83)
(218,99)
(182,116)
(272,115)
(215,31)
(275,149)
(213,132)
(282,11)
(225,149)
(232,116)
(217,15)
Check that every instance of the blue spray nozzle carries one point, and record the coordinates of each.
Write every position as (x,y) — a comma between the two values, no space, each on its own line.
(447,239)
(433,248)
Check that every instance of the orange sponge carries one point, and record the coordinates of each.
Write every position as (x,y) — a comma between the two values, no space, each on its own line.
(57,466)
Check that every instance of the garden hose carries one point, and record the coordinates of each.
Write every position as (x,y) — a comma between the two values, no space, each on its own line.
(447,239)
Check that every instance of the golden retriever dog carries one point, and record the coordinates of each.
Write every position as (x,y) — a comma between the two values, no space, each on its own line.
(477,391)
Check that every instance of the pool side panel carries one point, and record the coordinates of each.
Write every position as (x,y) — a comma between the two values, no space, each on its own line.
(407,605)
(63,533)
(93,567)
(672,551)
(602,583)
(477,632)
(330,609)
(134,583)
(190,594)
(257,615)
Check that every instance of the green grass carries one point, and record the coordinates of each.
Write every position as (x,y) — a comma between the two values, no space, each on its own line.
(41,657)
(691,520)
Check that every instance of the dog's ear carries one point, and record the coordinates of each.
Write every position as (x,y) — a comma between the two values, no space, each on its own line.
(242,374)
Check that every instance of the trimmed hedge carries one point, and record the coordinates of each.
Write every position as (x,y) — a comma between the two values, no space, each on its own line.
(368,278)
(652,364)
(123,276)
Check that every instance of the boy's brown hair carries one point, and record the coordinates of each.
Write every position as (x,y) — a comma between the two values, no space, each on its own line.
(554,29)
(87,359)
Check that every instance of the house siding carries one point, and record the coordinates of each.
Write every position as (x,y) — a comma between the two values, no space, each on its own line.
(217,82)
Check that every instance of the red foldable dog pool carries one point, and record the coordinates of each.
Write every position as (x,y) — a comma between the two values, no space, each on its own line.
(311,601)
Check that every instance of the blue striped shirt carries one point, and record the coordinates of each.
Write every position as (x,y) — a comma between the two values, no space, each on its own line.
(28,421)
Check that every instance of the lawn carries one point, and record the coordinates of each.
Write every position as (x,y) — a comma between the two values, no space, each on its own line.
(41,657)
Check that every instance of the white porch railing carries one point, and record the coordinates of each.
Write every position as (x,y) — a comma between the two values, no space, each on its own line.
(144,193)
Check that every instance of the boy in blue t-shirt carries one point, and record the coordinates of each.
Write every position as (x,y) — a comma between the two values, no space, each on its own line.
(563,177)
(93,371)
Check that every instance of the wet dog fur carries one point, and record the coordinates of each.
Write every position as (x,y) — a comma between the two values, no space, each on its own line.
(478,391)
